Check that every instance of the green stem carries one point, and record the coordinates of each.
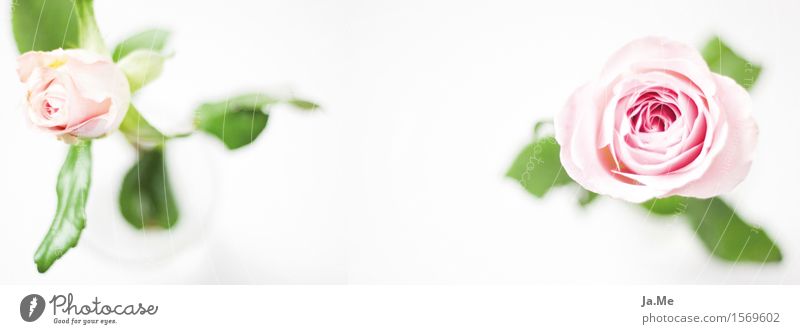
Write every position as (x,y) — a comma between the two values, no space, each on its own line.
(139,132)
(89,33)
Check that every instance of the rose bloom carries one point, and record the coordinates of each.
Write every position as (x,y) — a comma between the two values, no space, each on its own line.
(73,93)
(657,123)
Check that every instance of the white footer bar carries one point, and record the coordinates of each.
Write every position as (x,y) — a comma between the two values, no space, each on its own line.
(401,309)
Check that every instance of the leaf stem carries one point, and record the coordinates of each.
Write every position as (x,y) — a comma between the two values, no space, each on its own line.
(89,33)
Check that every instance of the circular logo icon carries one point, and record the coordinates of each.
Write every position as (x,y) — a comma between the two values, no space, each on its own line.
(31,307)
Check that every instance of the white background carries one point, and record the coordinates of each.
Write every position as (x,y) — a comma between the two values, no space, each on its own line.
(400,178)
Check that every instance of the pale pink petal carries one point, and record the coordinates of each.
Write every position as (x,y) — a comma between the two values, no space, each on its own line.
(579,155)
(28,62)
(658,53)
(733,162)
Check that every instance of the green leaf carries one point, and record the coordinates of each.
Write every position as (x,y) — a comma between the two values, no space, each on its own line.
(146,198)
(587,197)
(666,206)
(236,125)
(303,104)
(728,236)
(721,230)
(44,25)
(141,67)
(538,168)
(539,127)
(72,189)
(238,121)
(723,60)
(251,100)
(138,131)
(151,39)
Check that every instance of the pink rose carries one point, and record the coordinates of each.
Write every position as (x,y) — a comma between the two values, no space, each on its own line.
(73,93)
(657,123)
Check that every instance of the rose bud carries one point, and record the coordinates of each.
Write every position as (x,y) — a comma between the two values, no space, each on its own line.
(73,93)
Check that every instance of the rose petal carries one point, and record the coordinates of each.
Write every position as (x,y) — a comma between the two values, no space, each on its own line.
(579,153)
(733,162)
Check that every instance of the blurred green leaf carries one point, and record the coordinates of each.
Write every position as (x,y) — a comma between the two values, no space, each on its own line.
(538,167)
(138,131)
(236,122)
(44,25)
(540,126)
(587,197)
(141,67)
(148,40)
(723,60)
(72,189)
(721,230)
(666,206)
(146,198)
(303,104)
(251,100)
(239,120)
(726,235)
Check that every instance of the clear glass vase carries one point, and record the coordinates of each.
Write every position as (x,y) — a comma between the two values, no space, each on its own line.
(192,175)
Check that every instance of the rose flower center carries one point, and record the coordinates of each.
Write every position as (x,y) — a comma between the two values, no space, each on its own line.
(653,112)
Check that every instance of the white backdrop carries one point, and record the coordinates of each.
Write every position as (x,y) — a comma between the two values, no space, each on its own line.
(400,178)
